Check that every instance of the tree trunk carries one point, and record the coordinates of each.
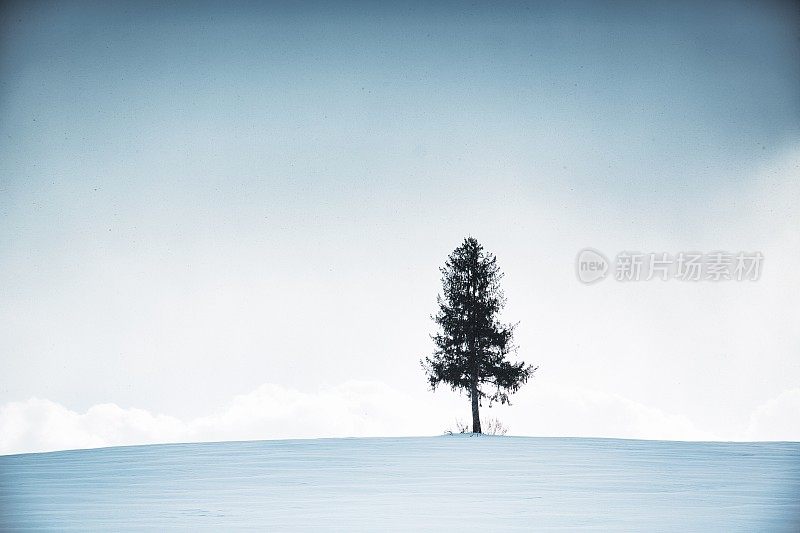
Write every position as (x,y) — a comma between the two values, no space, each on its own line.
(473,392)
(476,419)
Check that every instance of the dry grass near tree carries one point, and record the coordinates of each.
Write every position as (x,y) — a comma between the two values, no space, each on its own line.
(491,426)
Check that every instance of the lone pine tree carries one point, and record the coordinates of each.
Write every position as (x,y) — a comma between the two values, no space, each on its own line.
(471,342)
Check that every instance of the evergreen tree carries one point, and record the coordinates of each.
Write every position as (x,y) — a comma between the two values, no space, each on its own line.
(471,342)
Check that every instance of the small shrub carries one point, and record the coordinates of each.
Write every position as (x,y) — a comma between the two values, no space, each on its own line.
(461,427)
(493,426)
(490,426)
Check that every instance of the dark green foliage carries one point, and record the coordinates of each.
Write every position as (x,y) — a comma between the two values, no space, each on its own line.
(471,342)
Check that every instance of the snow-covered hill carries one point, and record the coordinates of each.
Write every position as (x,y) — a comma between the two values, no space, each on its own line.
(455,482)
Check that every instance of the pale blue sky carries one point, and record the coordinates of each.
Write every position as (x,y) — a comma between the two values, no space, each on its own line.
(200,198)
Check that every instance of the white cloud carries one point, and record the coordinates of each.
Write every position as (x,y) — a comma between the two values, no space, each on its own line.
(551,410)
(41,425)
(778,418)
(354,408)
(368,408)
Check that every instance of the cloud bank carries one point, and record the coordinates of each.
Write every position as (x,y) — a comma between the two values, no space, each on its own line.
(367,408)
